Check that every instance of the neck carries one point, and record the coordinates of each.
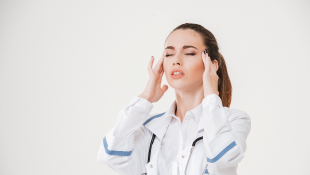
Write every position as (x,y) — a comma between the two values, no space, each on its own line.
(186,101)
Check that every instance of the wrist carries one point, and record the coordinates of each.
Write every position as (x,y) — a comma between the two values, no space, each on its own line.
(145,97)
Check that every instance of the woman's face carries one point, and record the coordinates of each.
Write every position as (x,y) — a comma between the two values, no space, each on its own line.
(183,52)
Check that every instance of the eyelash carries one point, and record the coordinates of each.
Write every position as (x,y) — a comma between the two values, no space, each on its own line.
(185,54)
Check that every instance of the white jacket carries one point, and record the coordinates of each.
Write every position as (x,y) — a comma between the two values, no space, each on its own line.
(224,132)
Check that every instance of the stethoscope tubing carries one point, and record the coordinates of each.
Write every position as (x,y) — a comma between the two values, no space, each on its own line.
(193,145)
(150,149)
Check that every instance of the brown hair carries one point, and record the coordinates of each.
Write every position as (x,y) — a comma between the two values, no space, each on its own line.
(224,84)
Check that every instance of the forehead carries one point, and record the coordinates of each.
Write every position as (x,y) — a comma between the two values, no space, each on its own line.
(182,37)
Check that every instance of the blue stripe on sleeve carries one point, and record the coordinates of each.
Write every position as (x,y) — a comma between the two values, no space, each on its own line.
(114,153)
(156,116)
(216,158)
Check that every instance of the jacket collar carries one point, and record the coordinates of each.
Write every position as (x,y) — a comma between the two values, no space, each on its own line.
(159,123)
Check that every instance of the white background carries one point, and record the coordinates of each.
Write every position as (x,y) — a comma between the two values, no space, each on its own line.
(68,67)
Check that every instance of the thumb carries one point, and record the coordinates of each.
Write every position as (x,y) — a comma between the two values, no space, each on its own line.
(164,88)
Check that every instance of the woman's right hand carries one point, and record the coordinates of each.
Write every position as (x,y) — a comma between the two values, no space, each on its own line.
(153,90)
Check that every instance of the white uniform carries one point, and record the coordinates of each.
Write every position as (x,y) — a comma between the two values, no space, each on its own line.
(125,148)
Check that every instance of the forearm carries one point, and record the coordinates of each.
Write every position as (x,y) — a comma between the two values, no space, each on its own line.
(224,139)
(118,148)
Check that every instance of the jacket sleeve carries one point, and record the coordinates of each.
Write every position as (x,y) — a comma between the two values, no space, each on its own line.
(224,135)
(124,148)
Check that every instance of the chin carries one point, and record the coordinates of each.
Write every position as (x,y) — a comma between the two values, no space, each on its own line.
(185,85)
(178,85)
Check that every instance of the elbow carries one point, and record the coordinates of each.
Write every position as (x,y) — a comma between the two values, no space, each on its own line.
(103,154)
(234,157)
(102,157)
(110,160)
(230,156)
(111,157)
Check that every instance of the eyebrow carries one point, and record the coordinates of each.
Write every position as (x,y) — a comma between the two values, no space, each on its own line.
(184,47)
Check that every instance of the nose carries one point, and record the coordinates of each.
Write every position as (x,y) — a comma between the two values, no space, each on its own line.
(177,60)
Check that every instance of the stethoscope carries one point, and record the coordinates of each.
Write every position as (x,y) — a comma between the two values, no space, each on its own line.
(193,145)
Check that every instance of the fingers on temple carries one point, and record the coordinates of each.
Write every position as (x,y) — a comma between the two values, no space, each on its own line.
(208,63)
(203,58)
(159,65)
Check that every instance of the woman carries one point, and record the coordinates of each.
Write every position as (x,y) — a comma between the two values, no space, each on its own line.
(199,133)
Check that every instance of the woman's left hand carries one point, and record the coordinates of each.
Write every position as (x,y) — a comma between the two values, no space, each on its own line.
(210,78)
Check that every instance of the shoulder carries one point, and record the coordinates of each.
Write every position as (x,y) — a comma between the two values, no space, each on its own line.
(233,113)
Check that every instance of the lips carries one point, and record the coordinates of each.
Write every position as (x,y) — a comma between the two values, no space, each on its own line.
(177,70)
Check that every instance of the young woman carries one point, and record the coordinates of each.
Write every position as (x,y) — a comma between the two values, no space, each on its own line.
(199,133)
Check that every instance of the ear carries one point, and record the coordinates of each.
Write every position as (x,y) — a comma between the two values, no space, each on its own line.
(215,64)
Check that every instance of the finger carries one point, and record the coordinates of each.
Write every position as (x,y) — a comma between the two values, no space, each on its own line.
(160,62)
(164,88)
(163,70)
(159,65)
(161,74)
(203,57)
(150,64)
(208,63)
(212,67)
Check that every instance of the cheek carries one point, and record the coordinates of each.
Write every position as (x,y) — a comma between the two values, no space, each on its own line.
(196,69)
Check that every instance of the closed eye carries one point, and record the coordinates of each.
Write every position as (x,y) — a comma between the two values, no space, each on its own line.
(185,54)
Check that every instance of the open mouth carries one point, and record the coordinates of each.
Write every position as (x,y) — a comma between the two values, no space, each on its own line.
(177,72)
